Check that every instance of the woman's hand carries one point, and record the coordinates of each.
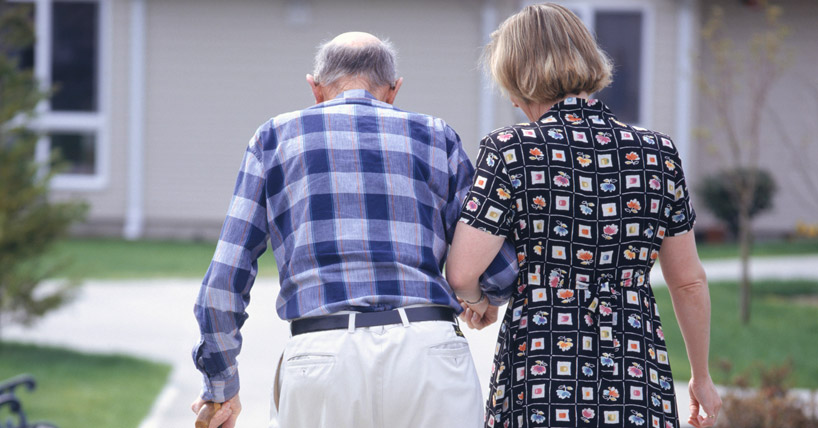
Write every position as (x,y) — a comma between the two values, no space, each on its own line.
(480,315)
(703,396)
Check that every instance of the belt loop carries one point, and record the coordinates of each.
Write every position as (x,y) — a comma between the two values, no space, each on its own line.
(403,318)
(351,326)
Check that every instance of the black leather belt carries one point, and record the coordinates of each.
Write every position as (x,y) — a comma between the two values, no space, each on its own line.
(371,319)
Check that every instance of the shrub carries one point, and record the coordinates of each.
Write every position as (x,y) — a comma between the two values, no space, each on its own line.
(772,405)
(720,194)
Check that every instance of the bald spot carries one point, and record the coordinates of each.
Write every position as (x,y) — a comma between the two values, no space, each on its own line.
(356,39)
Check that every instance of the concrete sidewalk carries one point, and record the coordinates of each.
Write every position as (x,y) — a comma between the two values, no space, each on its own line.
(782,267)
(154,319)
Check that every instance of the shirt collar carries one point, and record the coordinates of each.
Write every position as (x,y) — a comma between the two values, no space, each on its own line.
(356,93)
(354,96)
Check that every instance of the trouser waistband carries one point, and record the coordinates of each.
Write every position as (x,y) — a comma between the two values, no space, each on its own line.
(372,319)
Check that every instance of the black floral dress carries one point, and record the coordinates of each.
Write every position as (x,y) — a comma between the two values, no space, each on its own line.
(588,201)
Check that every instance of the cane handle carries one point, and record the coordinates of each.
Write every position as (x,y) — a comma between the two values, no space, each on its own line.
(206,414)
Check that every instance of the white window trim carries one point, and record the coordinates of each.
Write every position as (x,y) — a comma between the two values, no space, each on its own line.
(586,9)
(48,121)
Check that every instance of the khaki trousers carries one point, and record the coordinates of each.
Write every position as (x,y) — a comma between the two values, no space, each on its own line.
(406,375)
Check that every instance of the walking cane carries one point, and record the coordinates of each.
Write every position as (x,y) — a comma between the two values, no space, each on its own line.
(206,414)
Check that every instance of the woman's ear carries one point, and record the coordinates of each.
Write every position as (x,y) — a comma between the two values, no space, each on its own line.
(515,102)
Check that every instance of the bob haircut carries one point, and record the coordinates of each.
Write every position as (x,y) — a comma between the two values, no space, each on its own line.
(544,53)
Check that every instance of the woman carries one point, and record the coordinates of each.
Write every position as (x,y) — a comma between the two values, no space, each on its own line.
(590,204)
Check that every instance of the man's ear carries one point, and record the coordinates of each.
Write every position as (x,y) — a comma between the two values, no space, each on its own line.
(316,90)
(393,91)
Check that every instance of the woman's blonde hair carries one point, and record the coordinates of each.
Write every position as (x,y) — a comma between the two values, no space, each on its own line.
(543,53)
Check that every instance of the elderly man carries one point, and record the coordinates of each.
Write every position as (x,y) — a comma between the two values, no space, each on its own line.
(359,201)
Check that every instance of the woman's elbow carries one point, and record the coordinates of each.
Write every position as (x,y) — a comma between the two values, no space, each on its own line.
(454,279)
(695,282)
(459,278)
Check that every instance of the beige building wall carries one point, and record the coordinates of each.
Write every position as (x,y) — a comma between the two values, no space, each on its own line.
(789,119)
(217,70)
(665,71)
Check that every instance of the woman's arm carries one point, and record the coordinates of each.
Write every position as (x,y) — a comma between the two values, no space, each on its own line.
(471,253)
(687,283)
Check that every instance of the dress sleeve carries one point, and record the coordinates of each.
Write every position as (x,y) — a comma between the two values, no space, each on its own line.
(489,204)
(681,213)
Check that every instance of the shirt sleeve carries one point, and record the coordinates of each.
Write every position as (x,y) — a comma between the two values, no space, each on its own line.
(500,278)
(225,291)
(460,175)
(682,216)
(489,204)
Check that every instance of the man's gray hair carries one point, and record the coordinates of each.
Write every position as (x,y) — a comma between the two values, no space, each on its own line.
(373,62)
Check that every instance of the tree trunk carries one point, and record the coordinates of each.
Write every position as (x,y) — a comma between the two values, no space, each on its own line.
(745,243)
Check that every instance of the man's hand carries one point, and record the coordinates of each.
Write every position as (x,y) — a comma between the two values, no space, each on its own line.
(480,315)
(224,417)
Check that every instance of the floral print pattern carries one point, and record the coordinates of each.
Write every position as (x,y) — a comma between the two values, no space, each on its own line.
(589,199)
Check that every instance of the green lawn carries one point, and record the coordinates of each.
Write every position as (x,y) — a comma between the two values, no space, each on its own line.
(783,325)
(77,390)
(120,259)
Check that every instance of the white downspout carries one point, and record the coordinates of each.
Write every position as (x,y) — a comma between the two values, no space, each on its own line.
(488,22)
(685,78)
(134,216)
(42,71)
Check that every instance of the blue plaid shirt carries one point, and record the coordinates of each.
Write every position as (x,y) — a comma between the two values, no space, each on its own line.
(359,201)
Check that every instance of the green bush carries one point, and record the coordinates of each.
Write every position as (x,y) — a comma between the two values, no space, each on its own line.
(720,194)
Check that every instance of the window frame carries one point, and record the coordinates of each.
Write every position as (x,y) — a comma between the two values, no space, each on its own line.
(587,10)
(93,122)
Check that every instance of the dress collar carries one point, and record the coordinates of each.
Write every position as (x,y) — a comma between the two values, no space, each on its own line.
(581,107)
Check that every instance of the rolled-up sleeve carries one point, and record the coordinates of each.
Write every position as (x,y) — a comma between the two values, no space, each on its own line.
(500,278)
(220,307)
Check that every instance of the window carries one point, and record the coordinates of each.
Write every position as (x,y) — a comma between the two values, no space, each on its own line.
(620,35)
(74,47)
(76,150)
(68,59)
(621,29)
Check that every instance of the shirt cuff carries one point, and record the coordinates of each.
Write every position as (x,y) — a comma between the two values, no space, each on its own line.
(500,278)
(220,388)
(496,298)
